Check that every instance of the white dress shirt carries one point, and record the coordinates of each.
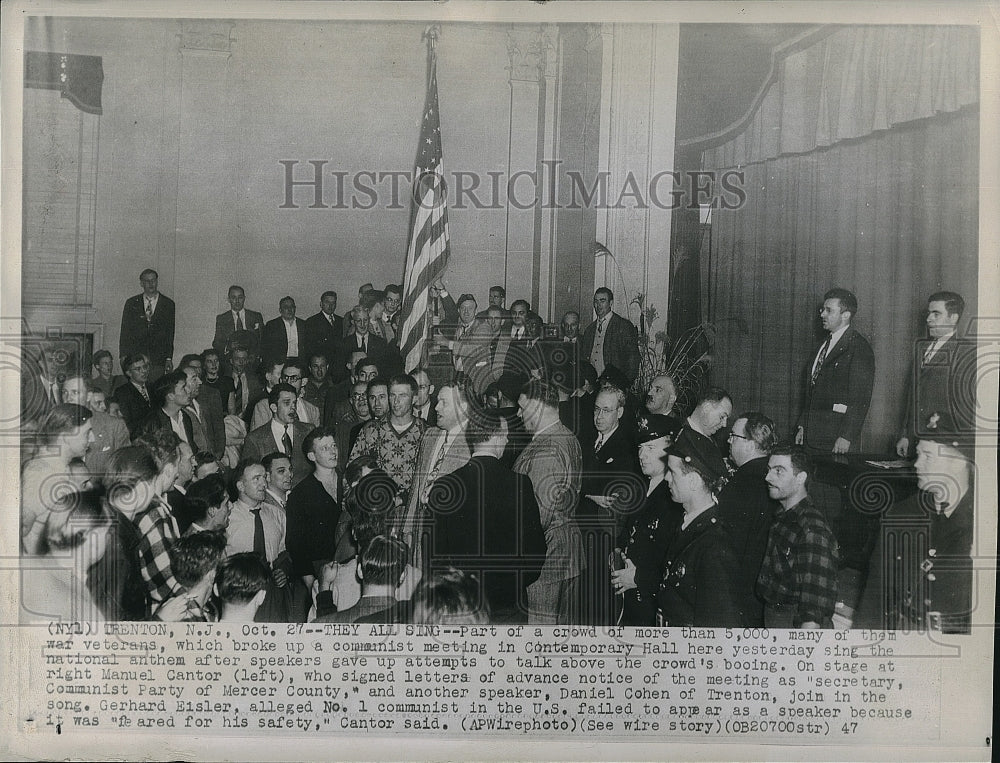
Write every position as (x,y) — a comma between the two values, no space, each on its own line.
(239,534)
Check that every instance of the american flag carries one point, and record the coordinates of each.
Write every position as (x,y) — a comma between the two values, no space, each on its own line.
(427,253)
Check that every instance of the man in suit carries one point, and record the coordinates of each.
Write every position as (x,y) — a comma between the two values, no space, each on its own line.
(317,384)
(944,369)
(486,521)
(283,433)
(284,336)
(207,416)
(110,433)
(611,340)
(133,397)
(148,326)
(360,339)
(553,461)
(442,450)
(425,401)
(711,415)
(610,464)
(483,351)
(247,389)
(839,380)
(382,569)
(170,397)
(393,301)
(745,508)
(467,337)
(325,334)
(238,326)
(291,374)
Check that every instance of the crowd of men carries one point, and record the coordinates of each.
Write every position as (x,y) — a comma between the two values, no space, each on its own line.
(295,470)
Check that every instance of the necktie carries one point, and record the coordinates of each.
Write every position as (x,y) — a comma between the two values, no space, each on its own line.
(600,327)
(286,442)
(240,326)
(930,352)
(149,309)
(820,360)
(145,395)
(493,349)
(599,443)
(239,392)
(259,547)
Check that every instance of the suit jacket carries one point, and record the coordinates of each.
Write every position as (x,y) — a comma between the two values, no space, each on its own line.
(311,534)
(945,383)
(133,405)
(746,512)
(157,420)
(453,455)
(274,340)
(472,342)
(366,607)
(577,414)
(485,520)
(837,404)
(386,357)
(615,467)
(110,434)
(260,441)
(262,413)
(212,419)
(154,337)
(621,348)
(226,334)
(255,390)
(322,337)
(554,462)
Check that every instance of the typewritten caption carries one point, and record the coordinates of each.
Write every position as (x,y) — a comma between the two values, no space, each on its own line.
(676,683)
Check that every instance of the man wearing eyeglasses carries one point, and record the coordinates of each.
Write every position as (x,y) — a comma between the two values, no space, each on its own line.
(291,374)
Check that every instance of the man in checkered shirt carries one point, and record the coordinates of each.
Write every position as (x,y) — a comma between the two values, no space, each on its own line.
(798,580)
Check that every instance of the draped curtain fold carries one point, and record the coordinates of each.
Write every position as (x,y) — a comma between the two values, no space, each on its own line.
(875,190)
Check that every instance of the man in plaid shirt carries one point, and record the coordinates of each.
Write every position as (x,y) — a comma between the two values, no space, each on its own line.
(798,580)
(156,525)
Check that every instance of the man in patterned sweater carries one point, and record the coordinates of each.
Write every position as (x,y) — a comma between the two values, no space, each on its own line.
(798,580)
(395,440)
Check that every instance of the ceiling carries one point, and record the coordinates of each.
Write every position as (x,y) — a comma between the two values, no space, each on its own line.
(721,70)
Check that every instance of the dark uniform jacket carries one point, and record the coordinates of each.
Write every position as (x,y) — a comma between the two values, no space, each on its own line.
(698,587)
(645,543)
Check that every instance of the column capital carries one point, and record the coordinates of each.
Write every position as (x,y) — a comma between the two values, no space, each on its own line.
(530,51)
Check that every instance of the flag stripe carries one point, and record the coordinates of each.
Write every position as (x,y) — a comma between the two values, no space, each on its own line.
(428,246)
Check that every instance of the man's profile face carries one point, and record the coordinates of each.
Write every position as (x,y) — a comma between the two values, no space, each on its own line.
(782,481)
(237,298)
(284,409)
(328,304)
(833,316)
(716,415)
(661,396)
(741,448)
(105,366)
(424,389)
(193,372)
(97,400)
(324,453)
(180,393)
(253,484)
(939,321)
(287,309)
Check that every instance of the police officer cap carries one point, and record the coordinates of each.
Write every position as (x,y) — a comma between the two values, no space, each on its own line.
(653,426)
(700,453)
(941,427)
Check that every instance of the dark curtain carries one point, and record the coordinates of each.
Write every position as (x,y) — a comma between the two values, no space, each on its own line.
(892,216)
